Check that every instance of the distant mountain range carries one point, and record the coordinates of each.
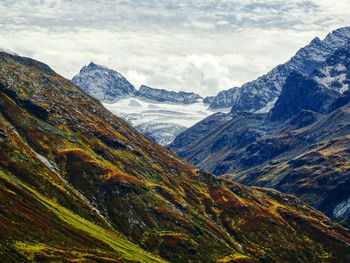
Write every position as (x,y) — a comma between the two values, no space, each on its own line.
(109,86)
(262,93)
(301,146)
(151,111)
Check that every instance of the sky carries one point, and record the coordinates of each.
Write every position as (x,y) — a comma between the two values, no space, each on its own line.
(190,45)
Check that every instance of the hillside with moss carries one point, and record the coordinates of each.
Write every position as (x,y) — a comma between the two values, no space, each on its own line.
(78,184)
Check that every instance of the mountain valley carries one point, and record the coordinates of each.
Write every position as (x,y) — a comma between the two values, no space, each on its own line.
(79,184)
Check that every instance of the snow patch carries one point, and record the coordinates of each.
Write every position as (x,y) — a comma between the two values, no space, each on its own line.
(327,78)
(160,120)
(342,209)
(344,88)
(268,106)
(46,162)
(134,103)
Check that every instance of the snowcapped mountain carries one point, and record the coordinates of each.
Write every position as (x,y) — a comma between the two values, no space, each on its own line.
(160,121)
(104,84)
(335,71)
(323,91)
(109,86)
(157,113)
(260,94)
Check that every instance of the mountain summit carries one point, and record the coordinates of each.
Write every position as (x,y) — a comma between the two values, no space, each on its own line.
(105,84)
(109,86)
(262,93)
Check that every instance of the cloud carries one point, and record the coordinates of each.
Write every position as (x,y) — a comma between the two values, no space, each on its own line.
(222,22)
(136,78)
(192,45)
(204,74)
(203,25)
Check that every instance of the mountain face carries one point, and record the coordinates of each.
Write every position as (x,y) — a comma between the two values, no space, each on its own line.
(212,143)
(300,92)
(325,90)
(299,147)
(102,83)
(157,113)
(163,95)
(261,94)
(78,183)
(109,86)
(320,92)
(311,163)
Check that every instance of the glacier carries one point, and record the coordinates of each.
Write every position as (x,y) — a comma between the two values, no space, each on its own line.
(161,121)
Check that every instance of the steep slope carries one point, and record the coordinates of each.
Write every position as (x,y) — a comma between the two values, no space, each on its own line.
(261,93)
(311,163)
(220,149)
(200,130)
(103,83)
(321,92)
(42,216)
(303,93)
(76,181)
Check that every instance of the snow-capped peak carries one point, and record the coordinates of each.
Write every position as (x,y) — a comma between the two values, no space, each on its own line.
(257,94)
(103,83)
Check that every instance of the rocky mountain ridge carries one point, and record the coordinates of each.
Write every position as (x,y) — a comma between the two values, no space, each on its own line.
(260,94)
(109,86)
(163,95)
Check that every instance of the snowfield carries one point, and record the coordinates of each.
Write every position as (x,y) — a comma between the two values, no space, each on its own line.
(161,121)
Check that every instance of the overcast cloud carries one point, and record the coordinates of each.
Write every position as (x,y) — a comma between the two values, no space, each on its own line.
(191,45)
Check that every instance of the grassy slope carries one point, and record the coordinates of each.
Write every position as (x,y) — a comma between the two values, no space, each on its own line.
(34,226)
(318,174)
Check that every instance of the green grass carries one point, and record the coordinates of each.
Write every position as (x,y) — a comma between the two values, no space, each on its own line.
(122,247)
